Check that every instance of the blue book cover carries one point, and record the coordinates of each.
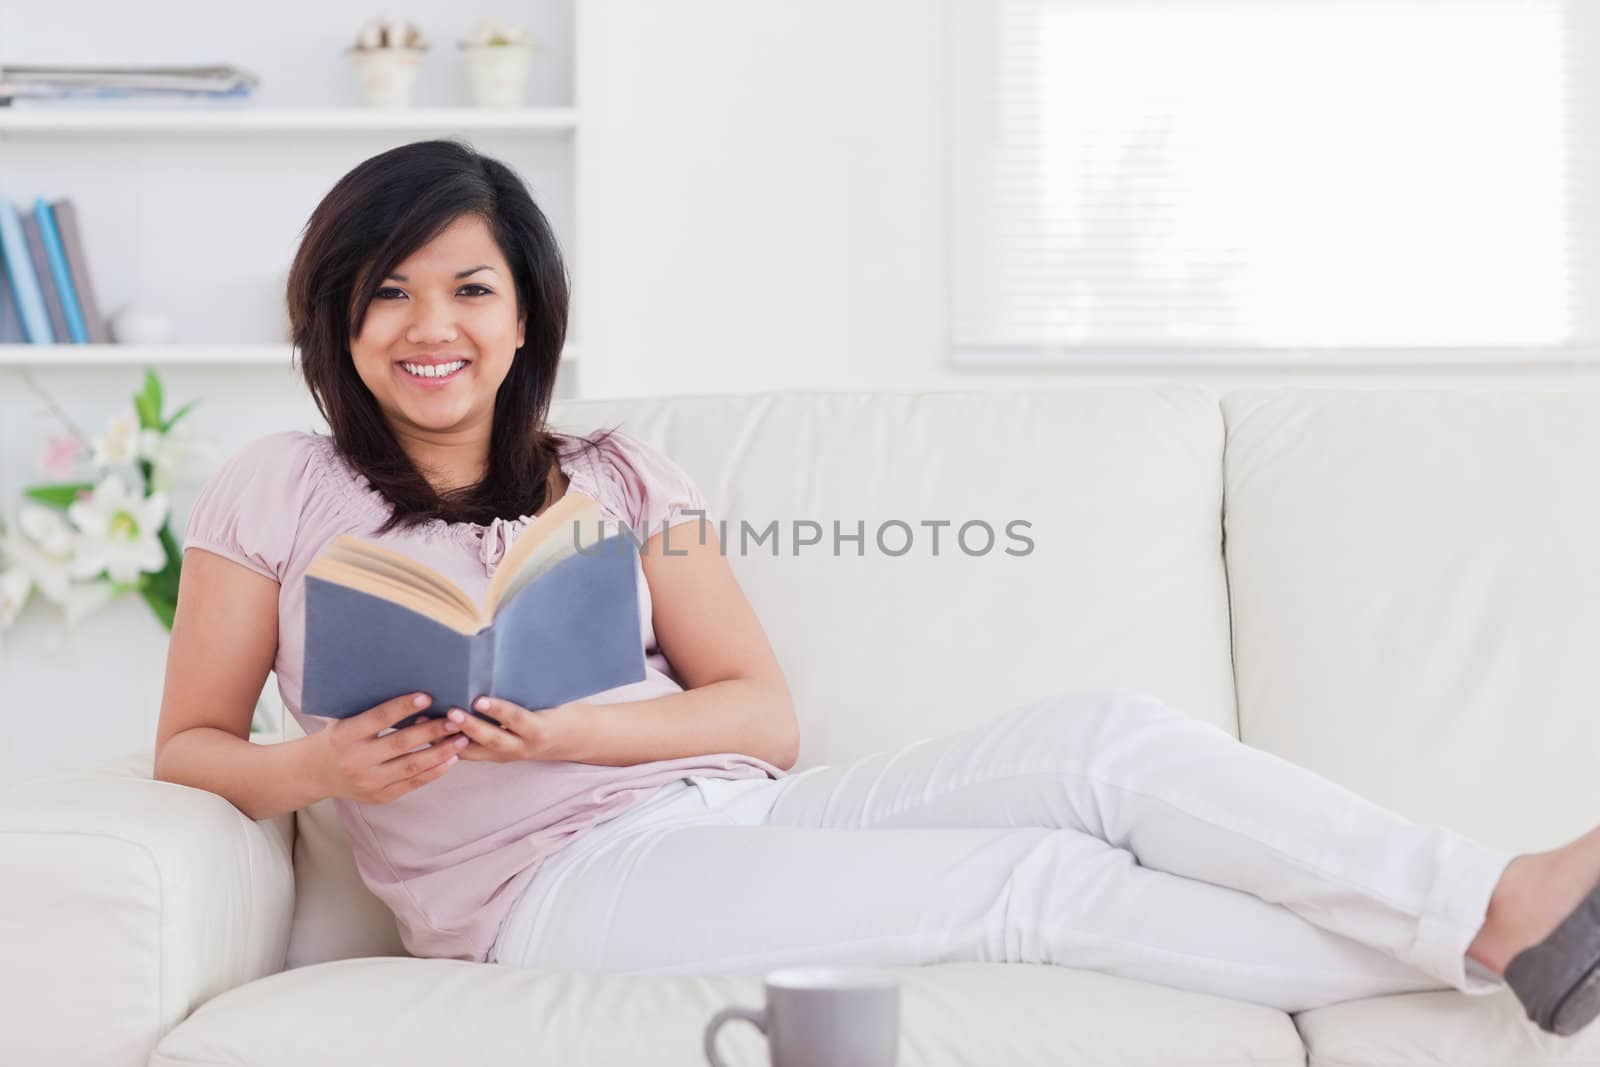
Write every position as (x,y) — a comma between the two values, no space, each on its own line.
(24,283)
(41,270)
(60,272)
(10,321)
(559,622)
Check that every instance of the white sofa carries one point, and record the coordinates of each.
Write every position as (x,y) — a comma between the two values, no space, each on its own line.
(1398,589)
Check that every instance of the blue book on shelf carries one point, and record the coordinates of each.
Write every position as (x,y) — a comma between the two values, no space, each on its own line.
(10,322)
(60,272)
(559,622)
(19,272)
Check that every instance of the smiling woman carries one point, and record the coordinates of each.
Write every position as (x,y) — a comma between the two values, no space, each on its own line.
(429,305)
(428,302)
(434,348)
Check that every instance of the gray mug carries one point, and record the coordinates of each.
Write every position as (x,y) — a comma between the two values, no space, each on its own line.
(823,1017)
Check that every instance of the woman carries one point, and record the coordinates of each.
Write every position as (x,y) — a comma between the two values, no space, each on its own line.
(654,828)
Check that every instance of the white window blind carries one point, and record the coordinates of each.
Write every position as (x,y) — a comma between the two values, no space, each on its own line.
(1258,175)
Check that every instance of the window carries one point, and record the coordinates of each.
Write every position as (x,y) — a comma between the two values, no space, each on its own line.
(1268,176)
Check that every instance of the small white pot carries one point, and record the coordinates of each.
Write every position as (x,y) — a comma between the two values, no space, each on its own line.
(499,73)
(135,325)
(387,75)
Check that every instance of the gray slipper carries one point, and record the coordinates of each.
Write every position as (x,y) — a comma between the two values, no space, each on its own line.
(1558,980)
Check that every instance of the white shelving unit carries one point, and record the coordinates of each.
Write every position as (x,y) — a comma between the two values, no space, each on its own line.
(234,122)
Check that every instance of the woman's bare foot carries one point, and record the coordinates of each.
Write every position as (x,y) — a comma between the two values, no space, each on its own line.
(1537,891)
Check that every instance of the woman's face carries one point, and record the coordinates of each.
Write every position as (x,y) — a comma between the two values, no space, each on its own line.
(451,309)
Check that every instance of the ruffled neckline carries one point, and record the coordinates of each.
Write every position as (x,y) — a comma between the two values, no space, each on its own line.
(352,489)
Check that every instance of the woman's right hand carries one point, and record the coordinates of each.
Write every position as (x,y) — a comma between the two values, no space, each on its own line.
(354,763)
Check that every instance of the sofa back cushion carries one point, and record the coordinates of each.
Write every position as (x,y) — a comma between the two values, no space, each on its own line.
(1123,585)
(1416,598)
(336,917)
(1119,580)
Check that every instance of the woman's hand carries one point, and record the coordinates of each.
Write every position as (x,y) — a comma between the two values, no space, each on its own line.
(547,734)
(352,762)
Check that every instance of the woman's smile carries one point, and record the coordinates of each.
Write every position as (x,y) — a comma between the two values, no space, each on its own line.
(427,373)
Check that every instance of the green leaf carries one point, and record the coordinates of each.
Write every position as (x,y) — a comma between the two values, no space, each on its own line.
(170,543)
(160,589)
(165,607)
(148,402)
(60,495)
(170,423)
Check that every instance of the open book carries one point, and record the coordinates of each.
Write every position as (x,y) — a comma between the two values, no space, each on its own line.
(559,622)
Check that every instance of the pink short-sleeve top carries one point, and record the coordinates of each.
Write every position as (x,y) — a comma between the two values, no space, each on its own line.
(450,858)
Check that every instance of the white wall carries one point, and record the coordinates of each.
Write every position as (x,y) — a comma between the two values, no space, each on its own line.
(764,204)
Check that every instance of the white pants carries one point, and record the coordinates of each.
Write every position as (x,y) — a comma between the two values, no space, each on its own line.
(1098,830)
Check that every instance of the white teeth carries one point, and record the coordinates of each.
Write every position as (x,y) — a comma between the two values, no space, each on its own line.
(439,370)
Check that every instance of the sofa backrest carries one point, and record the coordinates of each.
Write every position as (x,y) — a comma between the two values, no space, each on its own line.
(1415,585)
(1122,585)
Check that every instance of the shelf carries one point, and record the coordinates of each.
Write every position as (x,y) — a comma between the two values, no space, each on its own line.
(247,119)
(171,355)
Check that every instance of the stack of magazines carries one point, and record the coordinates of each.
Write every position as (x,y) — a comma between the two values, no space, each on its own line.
(136,85)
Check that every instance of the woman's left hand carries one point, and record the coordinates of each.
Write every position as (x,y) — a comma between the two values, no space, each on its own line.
(522,734)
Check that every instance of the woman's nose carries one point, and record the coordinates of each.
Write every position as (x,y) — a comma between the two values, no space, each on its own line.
(432,322)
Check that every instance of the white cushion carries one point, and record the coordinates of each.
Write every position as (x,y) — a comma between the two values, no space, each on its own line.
(1416,598)
(427,1012)
(336,917)
(124,904)
(1438,1028)
(1124,586)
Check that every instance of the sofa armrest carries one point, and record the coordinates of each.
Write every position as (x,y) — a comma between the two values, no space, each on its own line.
(126,903)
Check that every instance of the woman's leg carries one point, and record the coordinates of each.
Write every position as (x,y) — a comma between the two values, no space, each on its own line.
(1189,799)
(706,895)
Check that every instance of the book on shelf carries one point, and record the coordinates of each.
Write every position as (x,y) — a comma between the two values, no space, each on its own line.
(559,622)
(66,216)
(11,331)
(21,279)
(41,271)
(46,220)
(49,295)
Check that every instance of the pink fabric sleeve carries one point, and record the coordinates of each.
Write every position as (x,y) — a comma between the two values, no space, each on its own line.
(249,509)
(654,490)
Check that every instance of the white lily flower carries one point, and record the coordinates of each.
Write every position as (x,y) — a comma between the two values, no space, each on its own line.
(15,586)
(40,544)
(168,452)
(120,532)
(46,528)
(120,444)
(85,598)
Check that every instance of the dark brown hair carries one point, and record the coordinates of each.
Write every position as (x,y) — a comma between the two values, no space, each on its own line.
(371,220)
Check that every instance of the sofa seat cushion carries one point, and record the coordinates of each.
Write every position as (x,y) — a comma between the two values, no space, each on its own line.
(1438,1028)
(399,1012)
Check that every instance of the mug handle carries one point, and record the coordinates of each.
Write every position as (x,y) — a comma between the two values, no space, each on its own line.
(756,1017)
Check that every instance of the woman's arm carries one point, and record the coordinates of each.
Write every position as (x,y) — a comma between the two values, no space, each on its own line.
(735,696)
(224,638)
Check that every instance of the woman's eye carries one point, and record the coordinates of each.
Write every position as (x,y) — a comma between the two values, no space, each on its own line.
(389,292)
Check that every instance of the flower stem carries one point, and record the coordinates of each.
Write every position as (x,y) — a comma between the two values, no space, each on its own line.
(27,377)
